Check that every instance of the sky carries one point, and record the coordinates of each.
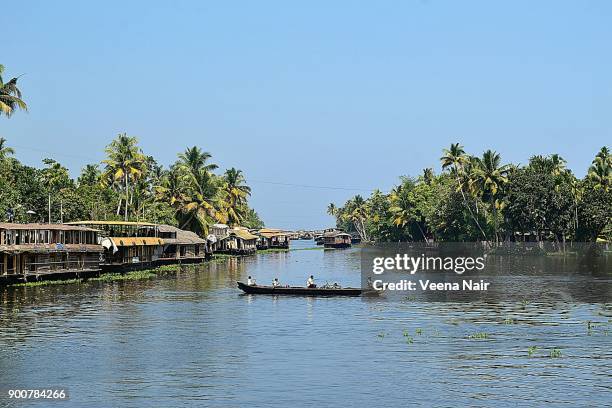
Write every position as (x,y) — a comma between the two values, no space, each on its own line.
(315,101)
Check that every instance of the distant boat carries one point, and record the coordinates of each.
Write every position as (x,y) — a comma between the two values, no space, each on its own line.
(299,291)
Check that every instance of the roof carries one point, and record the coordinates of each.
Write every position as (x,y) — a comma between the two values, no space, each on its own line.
(136,241)
(220,226)
(336,234)
(269,230)
(39,226)
(272,234)
(141,224)
(182,236)
(242,234)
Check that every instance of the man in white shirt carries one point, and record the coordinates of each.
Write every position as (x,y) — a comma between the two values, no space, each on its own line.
(310,283)
(250,282)
(275,283)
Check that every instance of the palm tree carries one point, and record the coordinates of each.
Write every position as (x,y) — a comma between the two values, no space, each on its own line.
(90,175)
(125,164)
(236,192)
(600,172)
(5,150)
(428,175)
(194,162)
(356,212)
(54,177)
(10,96)
(456,160)
(332,209)
(488,178)
(200,204)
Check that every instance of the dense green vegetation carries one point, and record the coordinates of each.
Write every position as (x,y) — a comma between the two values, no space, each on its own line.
(481,199)
(128,185)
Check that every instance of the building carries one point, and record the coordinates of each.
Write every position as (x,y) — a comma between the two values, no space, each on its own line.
(127,245)
(182,246)
(33,251)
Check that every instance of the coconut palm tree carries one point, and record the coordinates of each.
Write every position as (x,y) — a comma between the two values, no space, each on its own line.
(600,172)
(54,177)
(125,164)
(488,177)
(235,193)
(194,163)
(332,209)
(10,96)
(428,175)
(90,175)
(5,151)
(456,161)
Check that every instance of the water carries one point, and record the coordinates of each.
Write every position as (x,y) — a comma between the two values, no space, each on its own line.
(194,340)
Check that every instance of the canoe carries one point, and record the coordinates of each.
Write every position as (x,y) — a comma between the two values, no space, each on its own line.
(300,291)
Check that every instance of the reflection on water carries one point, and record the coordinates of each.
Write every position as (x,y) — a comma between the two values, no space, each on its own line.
(192,339)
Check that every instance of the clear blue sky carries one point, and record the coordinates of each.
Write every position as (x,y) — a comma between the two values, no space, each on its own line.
(343,94)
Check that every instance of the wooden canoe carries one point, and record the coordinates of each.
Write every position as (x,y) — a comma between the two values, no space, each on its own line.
(299,291)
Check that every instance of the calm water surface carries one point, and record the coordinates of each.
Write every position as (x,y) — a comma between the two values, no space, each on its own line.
(193,340)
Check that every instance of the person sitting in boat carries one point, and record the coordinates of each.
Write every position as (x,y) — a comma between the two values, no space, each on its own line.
(251,282)
(310,283)
(275,283)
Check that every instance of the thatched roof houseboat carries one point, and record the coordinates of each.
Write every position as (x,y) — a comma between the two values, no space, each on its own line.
(240,242)
(182,246)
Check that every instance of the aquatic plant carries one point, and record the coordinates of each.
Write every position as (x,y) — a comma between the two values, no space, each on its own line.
(381,335)
(555,353)
(409,340)
(531,350)
(418,331)
(478,336)
(508,320)
(47,283)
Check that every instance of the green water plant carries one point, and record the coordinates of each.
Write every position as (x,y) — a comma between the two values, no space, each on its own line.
(555,353)
(531,350)
(478,336)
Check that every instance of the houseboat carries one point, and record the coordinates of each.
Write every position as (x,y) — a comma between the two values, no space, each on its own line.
(272,239)
(337,239)
(37,251)
(217,234)
(240,241)
(182,246)
(127,245)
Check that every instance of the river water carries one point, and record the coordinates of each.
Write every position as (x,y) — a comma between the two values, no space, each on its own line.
(192,339)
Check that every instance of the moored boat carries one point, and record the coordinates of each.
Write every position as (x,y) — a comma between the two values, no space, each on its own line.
(300,291)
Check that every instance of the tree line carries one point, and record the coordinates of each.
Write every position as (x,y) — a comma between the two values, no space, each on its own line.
(128,185)
(481,199)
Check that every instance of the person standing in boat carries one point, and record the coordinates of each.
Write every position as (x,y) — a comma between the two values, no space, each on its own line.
(275,283)
(250,281)
(310,283)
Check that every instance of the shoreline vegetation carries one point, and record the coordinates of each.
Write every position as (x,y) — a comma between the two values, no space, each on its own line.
(127,186)
(479,199)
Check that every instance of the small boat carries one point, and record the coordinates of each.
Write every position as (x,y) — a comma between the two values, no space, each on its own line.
(300,291)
